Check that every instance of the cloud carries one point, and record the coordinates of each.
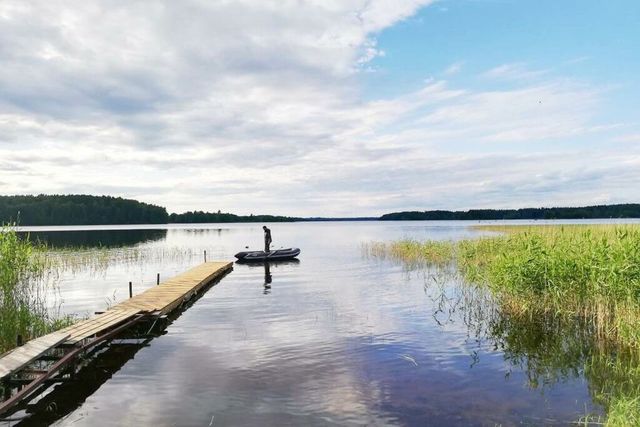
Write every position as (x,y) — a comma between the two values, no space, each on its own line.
(514,71)
(257,107)
(454,68)
(630,138)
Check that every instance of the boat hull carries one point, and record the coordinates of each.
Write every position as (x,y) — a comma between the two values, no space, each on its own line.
(261,256)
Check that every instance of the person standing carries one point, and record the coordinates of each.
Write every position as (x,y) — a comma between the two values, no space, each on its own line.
(267,238)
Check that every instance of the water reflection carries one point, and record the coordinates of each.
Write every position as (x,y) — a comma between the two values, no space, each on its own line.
(94,369)
(95,238)
(549,348)
(341,340)
(268,277)
(553,349)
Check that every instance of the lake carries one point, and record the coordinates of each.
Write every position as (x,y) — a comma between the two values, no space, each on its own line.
(338,338)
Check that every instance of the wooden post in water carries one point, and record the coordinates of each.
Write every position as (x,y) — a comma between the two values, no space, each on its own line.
(158,279)
(6,388)
(130,290)
(205,255)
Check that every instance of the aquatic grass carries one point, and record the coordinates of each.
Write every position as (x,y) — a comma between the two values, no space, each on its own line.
(412,252)
(624,412)
(566,302)
(580,262)
(98,260)
(24,309)
(591,271)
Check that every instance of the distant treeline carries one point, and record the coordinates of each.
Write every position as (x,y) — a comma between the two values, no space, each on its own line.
(204,217)
(98,210)
(587,212)
(89,210)
(78,210)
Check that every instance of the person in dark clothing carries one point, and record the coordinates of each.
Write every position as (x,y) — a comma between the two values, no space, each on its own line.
(267,238)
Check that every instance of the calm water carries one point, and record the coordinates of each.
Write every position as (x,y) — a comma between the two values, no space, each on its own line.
(334,339)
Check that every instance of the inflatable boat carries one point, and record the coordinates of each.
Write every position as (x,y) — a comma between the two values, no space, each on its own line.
(276,255)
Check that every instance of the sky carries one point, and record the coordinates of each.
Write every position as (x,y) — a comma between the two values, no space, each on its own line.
(322,107)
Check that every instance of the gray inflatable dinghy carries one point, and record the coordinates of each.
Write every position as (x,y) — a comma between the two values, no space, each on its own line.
(277,255)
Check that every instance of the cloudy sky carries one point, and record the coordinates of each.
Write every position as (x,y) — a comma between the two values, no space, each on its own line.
(322,107)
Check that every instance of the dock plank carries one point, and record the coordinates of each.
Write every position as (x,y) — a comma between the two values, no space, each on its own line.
(159,299)
(166,296)
(19,357)
(95,325)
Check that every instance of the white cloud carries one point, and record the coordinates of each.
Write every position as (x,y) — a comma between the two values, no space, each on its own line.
(514,71)
(454,68)
(633,138)
(256,107)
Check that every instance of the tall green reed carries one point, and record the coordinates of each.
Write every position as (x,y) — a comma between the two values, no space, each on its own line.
(566,302)
(24,309)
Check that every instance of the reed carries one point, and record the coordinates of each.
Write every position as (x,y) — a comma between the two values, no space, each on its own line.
(99,260)
(624,412)
(24,309)
(412,252)
(591,271)
(585,278)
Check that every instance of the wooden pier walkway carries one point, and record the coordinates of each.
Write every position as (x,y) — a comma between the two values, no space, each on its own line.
(159,300)
(153,302)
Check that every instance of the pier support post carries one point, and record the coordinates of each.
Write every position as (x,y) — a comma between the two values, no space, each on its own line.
(6,389)
(130,289)
(158,279)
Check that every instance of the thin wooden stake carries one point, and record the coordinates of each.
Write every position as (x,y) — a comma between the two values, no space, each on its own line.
(205,255)
(158,279)
(130,290)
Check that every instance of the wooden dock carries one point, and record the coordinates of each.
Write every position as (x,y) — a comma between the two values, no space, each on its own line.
(75,339)
(159,300)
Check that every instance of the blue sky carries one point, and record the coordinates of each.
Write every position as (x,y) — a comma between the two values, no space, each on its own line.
(594,43)
(589,40)
(345,107)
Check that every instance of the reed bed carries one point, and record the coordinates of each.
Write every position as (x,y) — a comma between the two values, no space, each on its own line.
(590,271)
(24,306)
(413,253)
(576,284)
(98,260)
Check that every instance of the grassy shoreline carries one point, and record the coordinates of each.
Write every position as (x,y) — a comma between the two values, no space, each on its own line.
(571,274)
(573,270)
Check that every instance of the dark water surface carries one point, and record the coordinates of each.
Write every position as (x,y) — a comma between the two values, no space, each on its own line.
(334,339)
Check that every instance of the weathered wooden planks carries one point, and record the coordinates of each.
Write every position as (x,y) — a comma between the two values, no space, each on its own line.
(159,299)
(95,325)
(169,294)
(19,357)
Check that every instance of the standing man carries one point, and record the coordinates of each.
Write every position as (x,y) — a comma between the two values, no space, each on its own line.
(267,238)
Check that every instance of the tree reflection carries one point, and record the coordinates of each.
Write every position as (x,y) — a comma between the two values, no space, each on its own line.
(95,238)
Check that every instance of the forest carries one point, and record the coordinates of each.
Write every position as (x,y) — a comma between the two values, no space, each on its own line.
(208,217)
(98,210)
(78,210)
(587,212)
